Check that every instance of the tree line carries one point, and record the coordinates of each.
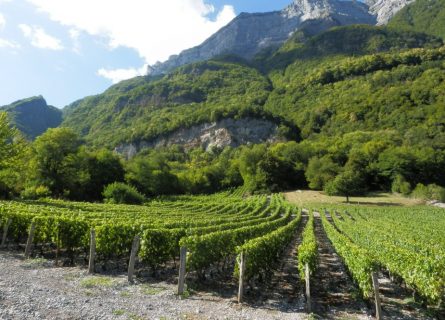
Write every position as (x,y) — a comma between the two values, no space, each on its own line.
(58,164)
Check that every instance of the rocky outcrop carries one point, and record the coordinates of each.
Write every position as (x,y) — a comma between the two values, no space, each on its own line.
(249,33)
(384,10)
(227,132)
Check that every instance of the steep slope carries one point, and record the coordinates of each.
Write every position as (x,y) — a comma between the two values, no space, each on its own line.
(398,93)
(140,110)
(422,16)
(384,10)
(33,116)
(337,82)
(249,33)
(345,41)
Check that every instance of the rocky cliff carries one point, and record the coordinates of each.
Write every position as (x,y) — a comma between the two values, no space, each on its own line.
(249,33)
(384,10)
(227,132)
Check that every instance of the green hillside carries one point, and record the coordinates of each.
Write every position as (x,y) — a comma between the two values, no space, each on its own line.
(368,104)
(345,41)
(33,116)
(398,91)
(145,107)
(296,84)
(424,16)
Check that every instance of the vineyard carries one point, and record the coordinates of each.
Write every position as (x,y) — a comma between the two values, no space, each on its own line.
(244,241)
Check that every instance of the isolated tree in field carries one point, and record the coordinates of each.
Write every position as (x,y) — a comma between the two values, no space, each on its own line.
(348,183)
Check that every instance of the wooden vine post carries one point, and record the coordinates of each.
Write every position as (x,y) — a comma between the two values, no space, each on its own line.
(378,306)
(92,251)
(58,244)
(5,231)
(134,251)
(307,273)
(242,269)
(182,270)
(28,248)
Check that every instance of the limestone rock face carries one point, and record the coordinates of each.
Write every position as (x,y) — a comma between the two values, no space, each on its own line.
(249,33)
(227,132)
(384,10)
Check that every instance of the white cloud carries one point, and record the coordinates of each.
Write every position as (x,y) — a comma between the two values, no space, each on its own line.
(8,44)
(75,35)
(156,29)
(2,21)
(39,38)
(117,75)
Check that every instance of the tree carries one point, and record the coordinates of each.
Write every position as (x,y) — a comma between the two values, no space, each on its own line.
(320,171)
(400,185)
(118,193)
(13,151)
(9,136)
(249,159)
(57,164)
(104,168)
(348,183)
(277,174)
(151,175)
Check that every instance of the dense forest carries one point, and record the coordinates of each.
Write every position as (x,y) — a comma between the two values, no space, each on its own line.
(422,15)
(359,109)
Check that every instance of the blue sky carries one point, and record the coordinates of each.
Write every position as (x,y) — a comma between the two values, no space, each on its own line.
(68,49)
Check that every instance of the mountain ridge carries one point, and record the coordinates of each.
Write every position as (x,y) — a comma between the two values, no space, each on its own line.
(141,110)
(249,33)
(33,116)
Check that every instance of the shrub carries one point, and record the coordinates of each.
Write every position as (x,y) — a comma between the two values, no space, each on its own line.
(122,193)
(400,185)
(430,192)
(35,192)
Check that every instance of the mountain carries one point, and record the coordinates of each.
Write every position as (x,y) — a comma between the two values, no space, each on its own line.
(33,116)
(384,10)
(422,16)
(344,41)
(330,84)
(250,33)
(143,109)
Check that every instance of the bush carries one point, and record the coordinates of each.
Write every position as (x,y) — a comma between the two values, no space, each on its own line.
(430,192)
(122,193)
(35,192)
(400,185)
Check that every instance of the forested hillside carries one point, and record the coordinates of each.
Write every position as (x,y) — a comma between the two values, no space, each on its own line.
(146,107)
(355,109)
(423,15)
(33,116)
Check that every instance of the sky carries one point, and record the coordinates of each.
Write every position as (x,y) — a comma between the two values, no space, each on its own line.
(65,50)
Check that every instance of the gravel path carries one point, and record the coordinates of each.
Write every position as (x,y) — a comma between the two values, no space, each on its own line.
(334,293)
(35,289)
(285,290)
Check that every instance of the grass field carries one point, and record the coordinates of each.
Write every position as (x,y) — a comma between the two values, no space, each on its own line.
(304,197)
